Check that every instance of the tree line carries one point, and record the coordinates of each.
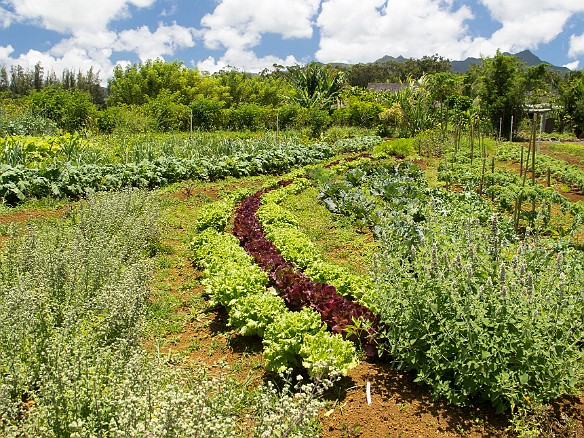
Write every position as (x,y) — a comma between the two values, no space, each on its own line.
(168,96)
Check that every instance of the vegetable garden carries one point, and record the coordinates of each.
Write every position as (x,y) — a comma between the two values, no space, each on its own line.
(445,276)
(302,273)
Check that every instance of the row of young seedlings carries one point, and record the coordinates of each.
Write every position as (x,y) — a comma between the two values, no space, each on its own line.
(235,281)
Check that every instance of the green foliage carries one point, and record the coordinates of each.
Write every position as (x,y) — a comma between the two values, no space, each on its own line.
(572,101)
(478,318)
(229,273)
(357,144)
(281,228)
(71,110)
(502,91)
(284,338)
(27,124)
(357,112)
(402,146)
(315,86)
(559,169)
(249,116)
(73,298)
(169,113)
(416,105)
(253,313)
(234,281)
(207,114)
(217,215)
(125,120)
(325,354)
(18,183)
(478,314)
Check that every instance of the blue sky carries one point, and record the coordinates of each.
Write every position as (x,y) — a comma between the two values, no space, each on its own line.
(255,34)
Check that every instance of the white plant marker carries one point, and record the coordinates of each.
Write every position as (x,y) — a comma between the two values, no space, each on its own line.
(368,393)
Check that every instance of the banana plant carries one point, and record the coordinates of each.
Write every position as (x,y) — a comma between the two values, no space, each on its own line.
(315,85)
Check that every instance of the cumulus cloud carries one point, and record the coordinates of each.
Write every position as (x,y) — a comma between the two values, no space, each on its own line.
(576,45)
(88,42)
(366,30)
(242,59)
(572,65)
(526,24)
(70,16)
(150,45)
(239,24)
(5,52)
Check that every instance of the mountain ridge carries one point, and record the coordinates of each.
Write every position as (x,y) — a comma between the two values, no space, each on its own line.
(462,66)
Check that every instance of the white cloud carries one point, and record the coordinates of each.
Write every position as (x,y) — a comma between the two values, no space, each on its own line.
(239,24)
(242,59)
(526,24)
(576,45)
(75,59)
(5,52)
(368,29)
(572,65)
(86,50)
(72,16)
(6,18)
(150,45)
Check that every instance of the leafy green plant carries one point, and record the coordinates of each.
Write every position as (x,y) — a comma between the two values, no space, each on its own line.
(254,312)
(284,338)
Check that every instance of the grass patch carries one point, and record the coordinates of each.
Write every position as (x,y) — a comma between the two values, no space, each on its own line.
(334,236)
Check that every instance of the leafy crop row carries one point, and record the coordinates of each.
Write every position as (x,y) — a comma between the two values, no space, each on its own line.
(559,169)
(18,183)
(507,189)
(298,290)
(290,338)
(281,228)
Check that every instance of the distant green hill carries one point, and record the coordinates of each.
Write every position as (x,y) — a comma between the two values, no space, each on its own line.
(462,66)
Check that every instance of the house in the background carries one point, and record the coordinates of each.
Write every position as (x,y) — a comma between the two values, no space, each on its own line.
(383,86)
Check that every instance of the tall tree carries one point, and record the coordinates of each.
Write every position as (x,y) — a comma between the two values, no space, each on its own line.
(4,81)
(572,102)
(502,91)
(38,76)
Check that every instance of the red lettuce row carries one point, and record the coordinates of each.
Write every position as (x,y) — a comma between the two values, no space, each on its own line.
(352,320)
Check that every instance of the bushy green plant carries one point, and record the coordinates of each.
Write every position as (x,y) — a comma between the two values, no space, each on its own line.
(254,312)
(284,338)
(27,124)
(402,146)
(71,110)
(479,318)
(325,354)
(207,114)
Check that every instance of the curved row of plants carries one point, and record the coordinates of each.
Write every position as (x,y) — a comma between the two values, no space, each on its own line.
(479,314)
(282,229)
(235,281)
(341,315)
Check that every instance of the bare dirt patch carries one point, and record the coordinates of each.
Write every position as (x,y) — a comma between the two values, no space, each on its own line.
(27,215)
